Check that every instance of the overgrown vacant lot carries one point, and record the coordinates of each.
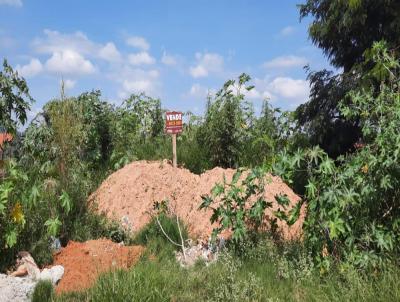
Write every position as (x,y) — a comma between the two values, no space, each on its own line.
(266,203)
(262,274)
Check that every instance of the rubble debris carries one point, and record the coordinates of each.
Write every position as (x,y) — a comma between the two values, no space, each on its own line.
(19,285)
(204,250)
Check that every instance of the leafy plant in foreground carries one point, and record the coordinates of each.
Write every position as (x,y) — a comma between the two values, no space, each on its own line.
(240,206)
(353,211)
(12,205)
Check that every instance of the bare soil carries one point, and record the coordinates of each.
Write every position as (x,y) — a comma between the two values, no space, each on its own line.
(84,261)
(129,194)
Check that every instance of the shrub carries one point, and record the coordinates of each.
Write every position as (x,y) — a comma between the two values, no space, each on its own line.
(152,236)
(240,207)
(353,211)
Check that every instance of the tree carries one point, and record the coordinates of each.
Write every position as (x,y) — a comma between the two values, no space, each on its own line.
(227,122)
(320,117)
(353,211)
(343,30)
(137,125)
(14,99)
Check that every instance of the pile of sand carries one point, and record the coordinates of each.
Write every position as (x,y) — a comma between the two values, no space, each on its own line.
(129,193)
(84,261)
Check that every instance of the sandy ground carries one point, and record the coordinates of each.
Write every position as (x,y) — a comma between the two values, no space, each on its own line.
(129,194)
(84,261)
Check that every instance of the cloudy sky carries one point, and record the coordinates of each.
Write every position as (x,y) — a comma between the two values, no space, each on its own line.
(175,50)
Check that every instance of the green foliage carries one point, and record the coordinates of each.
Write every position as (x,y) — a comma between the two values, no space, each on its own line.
(66,148)
(344,30)
(152,231)
(13,203)
(155,240)
(137,126)
(53,226)
(14,99)
(232,135)
(240,206)
(226,122)
(192,154)
(43,292)
(353,212)
(319,117)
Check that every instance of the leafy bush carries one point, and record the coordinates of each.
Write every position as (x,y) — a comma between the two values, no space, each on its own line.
(136,126)
(12,204)
(152,230)
(353,211)
(226,122)
(240,208)
(156,239)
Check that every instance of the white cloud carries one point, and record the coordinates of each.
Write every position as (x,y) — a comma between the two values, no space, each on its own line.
(56,42)
(17,3)
(137,86)
(167,59)
(31,69)
(284,91)
(207,63)
(286,62)
(69,84)
(141,58)
(198,91)
(290,88)
(198,71)
(286,31)
(253,94)
(138,42)
(109,52)
(73,54)
(69,62)
(137,80)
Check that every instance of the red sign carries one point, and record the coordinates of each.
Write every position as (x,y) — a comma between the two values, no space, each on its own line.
(173,122)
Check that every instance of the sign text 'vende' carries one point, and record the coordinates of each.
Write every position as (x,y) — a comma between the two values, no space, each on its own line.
(173,122)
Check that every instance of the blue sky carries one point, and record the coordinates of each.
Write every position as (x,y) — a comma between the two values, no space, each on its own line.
(175,50)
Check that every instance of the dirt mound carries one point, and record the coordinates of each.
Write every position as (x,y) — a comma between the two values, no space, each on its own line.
(129,193)
(84,261)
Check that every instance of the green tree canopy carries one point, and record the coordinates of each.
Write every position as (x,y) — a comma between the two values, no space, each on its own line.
(14,99)
(344,30)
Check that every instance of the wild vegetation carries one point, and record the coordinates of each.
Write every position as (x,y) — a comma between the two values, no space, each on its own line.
(339,151)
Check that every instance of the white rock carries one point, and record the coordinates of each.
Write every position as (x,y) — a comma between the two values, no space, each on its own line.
(54,274)
(15,289)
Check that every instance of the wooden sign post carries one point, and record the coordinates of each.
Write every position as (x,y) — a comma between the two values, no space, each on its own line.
(174,150)
(173,126)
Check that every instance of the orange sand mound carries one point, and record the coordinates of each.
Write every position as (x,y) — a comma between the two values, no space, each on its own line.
(84,261)
(131,191)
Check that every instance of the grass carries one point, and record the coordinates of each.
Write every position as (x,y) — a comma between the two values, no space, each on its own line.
(43,292)
(263,273)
